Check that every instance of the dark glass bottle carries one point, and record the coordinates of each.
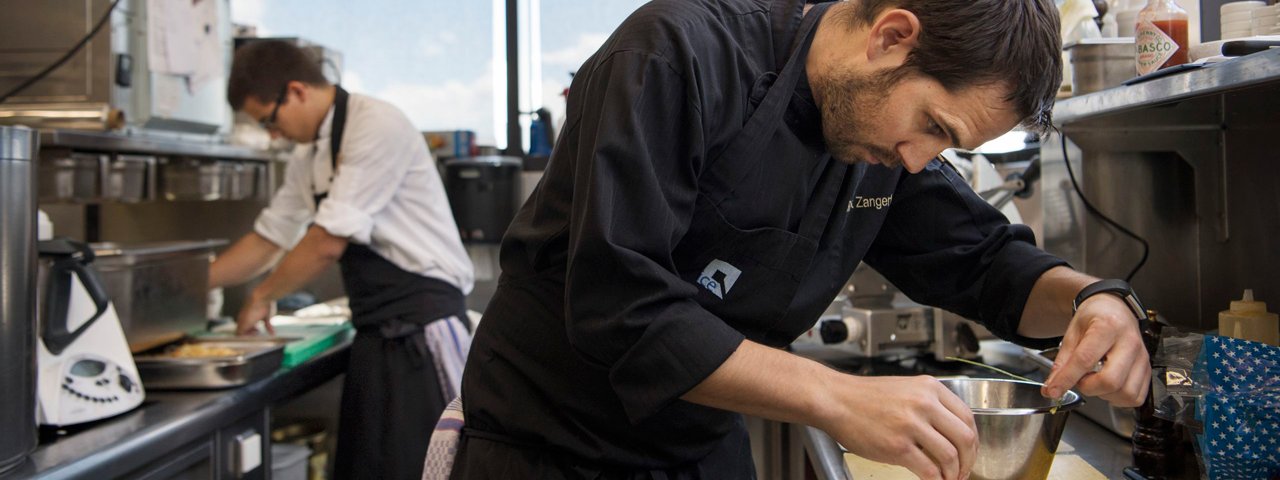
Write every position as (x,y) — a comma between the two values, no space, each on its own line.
(1154,440)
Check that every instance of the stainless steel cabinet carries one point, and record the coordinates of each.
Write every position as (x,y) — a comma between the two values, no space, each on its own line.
(1186,161)
(219,456)
(193,462)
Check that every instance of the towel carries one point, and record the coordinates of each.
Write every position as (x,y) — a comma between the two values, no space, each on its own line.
(444,443)
(448,340)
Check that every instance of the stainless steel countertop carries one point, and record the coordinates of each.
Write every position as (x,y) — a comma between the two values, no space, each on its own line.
(1099,447)
(118,445)
(1234,74)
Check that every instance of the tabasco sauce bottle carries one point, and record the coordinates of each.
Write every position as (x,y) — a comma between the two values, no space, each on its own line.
(1161,36)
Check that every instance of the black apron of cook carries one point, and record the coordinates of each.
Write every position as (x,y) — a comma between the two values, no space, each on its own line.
(391,398)
(784,279)
(772,283)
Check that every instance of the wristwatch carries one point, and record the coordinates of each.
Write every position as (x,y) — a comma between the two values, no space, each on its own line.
(1119,288)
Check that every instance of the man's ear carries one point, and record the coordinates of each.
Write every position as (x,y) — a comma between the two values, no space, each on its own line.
(298,89)
(893,36)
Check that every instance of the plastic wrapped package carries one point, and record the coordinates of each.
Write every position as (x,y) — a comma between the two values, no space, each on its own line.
(1226,391)
(1239,409)
(1174,389)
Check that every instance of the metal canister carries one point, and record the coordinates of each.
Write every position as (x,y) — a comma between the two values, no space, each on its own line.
(18,147)
(1099,63)
(484,193)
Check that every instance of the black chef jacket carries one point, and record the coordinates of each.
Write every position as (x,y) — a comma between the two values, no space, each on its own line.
(656,241)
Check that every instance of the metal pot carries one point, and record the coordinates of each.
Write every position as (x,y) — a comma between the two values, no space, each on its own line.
(1017,433)
(1100,63)
(18,147)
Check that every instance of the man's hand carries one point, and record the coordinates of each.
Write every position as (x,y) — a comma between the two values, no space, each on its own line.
(316,252)
(1102,330)
(255,310)
(910,421)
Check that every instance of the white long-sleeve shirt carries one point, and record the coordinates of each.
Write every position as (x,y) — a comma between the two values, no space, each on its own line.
(387,194)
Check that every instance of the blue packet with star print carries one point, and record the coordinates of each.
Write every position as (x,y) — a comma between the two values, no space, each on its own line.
(1239,408)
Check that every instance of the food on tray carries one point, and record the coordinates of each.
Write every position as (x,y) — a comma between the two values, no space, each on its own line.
(197,350)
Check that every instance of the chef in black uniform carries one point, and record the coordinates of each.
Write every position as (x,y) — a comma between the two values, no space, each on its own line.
(361,191)
(724,167)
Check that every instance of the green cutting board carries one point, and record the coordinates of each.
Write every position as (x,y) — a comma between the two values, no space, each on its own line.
(312,339)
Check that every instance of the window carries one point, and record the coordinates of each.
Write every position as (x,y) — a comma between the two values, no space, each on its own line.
(571,31)
(433,60)
(445,63)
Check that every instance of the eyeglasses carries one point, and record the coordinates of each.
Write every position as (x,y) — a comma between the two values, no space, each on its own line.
(270,122)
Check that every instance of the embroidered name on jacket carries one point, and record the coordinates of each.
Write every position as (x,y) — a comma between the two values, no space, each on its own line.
(719,277)
(870,202)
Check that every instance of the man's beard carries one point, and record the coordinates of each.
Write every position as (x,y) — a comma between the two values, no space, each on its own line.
(851,102)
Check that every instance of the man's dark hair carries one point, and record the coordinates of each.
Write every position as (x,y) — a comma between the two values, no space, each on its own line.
(262,68)
(966,43)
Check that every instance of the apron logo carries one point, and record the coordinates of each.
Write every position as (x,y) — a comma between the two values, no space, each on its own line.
(719,277)
(870,202)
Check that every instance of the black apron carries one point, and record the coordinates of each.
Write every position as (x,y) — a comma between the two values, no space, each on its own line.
(786,275)
(391,397)
(755,277)
(761,267)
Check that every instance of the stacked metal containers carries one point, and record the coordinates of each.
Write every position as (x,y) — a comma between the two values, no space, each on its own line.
(18,147)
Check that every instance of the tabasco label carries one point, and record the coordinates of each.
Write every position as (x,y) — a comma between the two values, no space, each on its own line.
(1155,47)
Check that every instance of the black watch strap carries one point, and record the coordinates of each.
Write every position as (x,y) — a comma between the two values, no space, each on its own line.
(1119,288)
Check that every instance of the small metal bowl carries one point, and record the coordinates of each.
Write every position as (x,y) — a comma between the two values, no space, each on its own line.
(1018,429)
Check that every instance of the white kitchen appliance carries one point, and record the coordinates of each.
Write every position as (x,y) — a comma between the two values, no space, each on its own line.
(85,370)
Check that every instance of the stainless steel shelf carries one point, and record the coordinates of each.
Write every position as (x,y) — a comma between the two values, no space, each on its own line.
(1186,161)
(1243,72)
(157,145)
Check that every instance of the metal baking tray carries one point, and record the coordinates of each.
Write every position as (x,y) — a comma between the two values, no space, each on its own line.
(258,358)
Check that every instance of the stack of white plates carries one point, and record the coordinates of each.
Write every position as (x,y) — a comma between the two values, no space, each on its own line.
(1237,18)
(1266,20)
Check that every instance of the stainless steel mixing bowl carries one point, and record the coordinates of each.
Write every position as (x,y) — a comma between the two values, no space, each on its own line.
(1017,434)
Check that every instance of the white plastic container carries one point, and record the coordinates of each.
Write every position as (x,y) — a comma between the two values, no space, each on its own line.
(45,226)
(1243,6)
(289,462)
(1249,319)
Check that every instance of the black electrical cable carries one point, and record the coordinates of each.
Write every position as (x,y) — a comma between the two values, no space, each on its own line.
(65,57)
(1146,247)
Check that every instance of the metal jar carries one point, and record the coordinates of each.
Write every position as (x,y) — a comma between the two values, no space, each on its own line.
(18,146)
(1017,433)
(1100,63)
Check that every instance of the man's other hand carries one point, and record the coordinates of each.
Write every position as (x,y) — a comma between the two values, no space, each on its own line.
(914,422)
(255,310)
(1103,333)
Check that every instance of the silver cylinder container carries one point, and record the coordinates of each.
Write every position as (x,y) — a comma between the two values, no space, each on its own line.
(1100,63)
(18,146)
